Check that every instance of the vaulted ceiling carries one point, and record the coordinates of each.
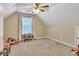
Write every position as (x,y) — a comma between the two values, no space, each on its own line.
(62,13)
(1,9)
(9,8)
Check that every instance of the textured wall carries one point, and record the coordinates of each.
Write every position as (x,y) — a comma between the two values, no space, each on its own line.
(63,33)
(1,32)
(38,27)
(11,26)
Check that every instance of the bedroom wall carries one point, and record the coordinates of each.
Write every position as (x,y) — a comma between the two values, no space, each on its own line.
(38,27)
(63,33)
(1,32)
(1,26)
(11,26)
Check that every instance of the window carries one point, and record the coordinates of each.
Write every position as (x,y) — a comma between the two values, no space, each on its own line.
(26,25)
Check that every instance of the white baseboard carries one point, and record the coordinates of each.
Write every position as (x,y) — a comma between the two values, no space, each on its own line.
(56,41)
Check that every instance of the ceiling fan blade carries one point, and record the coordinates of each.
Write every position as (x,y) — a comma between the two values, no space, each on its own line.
(36,5)
(42,10)
(44,6)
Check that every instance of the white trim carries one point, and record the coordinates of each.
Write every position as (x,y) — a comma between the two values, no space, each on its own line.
(77,25)
(56,41)
(75,35)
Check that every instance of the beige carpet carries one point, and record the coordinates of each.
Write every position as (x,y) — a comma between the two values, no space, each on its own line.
(43,47)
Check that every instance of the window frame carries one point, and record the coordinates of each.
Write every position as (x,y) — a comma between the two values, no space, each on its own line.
(31,20)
